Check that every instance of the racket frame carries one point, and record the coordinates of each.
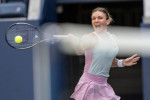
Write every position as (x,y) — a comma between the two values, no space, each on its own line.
(24,24)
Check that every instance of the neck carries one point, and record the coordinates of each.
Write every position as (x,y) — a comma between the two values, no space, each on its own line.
(102,33)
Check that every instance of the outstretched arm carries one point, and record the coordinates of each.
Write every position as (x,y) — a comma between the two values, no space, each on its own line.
(82,44)
(130,61)
(75,41)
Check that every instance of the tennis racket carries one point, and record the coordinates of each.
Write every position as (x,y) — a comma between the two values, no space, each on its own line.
(27,35)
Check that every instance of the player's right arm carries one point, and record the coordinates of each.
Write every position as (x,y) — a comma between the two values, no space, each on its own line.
(82,44)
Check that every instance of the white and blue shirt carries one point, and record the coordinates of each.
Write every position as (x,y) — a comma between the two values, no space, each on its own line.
(98,60)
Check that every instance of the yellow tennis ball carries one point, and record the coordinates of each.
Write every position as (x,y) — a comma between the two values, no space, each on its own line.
(18,39)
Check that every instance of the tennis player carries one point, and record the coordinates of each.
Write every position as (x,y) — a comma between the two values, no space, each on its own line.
(100,49)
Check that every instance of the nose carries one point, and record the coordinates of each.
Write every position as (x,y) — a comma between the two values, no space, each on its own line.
(96,20)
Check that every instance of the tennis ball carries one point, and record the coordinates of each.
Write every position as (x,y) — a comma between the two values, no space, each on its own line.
(18,39)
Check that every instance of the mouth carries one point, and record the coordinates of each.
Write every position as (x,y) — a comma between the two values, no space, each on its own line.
(97,26)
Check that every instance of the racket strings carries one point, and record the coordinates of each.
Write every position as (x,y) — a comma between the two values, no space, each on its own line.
(29,34)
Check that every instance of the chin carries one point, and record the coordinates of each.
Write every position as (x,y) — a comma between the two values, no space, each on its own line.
(98,29)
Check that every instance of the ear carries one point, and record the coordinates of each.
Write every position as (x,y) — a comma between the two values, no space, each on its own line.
(108,21)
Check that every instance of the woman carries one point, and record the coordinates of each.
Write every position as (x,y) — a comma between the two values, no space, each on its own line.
(100,49)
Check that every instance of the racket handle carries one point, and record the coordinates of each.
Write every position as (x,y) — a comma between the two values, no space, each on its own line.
(60,36)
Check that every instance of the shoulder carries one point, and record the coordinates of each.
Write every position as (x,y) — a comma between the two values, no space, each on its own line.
(88,41)
(89,36)
(113,36)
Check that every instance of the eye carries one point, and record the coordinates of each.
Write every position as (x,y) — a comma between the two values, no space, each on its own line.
(93,18)
(100,17)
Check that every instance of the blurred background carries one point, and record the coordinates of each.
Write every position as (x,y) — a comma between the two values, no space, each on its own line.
(44,72)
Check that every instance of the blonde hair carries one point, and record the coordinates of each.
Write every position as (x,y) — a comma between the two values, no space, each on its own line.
(104,10)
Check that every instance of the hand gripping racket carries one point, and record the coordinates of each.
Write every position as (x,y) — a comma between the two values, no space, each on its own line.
(24,36)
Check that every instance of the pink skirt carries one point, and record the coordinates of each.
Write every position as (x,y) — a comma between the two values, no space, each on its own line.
(92,87)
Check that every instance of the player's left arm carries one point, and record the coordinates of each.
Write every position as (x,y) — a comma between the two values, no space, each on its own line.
(130,61)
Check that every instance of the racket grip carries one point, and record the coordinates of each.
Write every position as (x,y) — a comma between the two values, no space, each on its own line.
(60,36)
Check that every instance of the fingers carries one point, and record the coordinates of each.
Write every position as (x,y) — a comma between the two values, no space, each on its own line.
(134,56)
(132,60)
(134,63)
(136,59)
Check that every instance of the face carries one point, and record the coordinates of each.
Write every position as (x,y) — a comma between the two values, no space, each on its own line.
(99,21)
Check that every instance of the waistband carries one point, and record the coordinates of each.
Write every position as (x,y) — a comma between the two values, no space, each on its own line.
(94,78)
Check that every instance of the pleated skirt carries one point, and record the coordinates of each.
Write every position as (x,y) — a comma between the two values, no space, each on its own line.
(93,87)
